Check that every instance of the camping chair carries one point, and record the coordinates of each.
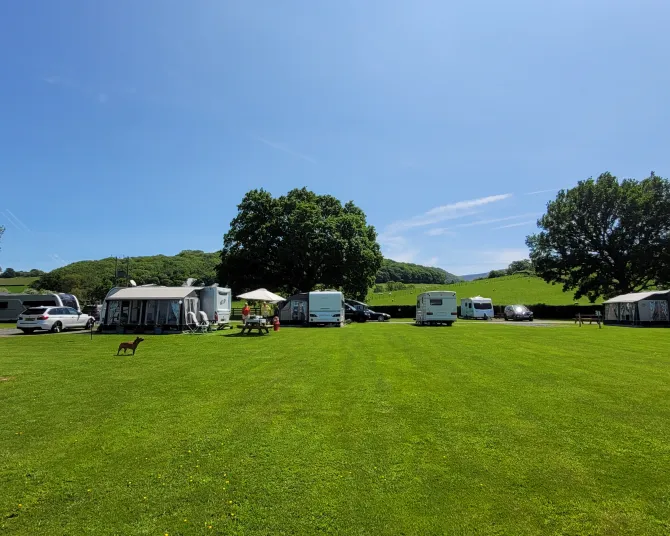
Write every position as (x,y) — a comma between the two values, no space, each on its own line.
(196,325)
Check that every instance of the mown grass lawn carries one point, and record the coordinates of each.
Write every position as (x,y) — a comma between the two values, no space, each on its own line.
(369,429)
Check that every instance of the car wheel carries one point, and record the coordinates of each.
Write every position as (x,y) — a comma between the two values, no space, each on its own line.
(380,318)
(506,318)
(57,328)
(27,331)
(89,324)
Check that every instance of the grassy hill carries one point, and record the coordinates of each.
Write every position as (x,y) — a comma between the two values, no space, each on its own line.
(16,285)
(502,290)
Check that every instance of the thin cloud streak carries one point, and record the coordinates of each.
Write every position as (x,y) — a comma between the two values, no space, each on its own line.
(448,230)
(16,219)
(451,211)
(515,225)
(285,149)
(543,191)
(9,220)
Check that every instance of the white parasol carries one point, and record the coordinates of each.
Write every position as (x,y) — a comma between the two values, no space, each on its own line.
(261,294)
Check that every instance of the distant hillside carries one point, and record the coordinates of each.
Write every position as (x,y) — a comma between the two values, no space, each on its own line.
(506,290)
(90,280)
(413,273)
(472,277)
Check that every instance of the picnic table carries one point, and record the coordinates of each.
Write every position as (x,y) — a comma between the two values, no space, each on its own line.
(259,325)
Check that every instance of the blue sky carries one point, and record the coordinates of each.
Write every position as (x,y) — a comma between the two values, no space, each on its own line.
(135,127)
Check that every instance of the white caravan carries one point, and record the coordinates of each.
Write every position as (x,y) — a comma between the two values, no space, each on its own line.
(12,305)
(215,302)
(477,307)
(326,307)
(436,307)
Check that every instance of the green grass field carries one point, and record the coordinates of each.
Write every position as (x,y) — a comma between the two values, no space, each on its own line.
(368,429)
(16,284)
(503,291)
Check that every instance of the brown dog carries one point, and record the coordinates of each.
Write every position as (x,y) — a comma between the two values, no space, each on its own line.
(129,345)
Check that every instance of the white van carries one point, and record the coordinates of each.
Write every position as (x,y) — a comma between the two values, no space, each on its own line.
(326,307)
(216,302)
(12,305)
(436,307)
(477,307)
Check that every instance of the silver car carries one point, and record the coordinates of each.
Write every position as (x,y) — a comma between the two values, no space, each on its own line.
(54,319)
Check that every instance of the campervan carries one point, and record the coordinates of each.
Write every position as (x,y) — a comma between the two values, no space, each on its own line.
(436,307)
(12,305)
(326,307)
(215,302)
(477,308)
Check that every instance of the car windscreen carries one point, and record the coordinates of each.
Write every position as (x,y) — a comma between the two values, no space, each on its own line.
(520,308)
(34,311)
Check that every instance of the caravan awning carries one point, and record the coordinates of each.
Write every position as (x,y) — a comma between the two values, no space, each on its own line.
(152,293)
(636,296)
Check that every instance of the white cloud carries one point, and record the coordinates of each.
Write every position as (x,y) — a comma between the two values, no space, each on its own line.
(284,149)
(445,212)
(529,222)
(397,248)
(485,261)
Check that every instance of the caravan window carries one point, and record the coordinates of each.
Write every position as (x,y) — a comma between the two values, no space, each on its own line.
(485,306)
(4,305)
(436,301)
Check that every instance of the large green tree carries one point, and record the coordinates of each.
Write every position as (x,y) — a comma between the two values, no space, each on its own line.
(299,241)
(606,237)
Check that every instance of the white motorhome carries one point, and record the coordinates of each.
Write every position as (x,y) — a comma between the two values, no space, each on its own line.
(216,302)
(436,307)
(12,305)
(477,308)
(326,307)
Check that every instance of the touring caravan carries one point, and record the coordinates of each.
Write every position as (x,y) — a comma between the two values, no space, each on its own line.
(326,307)
(215,302)
(477,308)
(436,307)
(12,305)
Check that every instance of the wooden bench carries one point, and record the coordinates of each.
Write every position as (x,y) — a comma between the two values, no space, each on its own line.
(580,319)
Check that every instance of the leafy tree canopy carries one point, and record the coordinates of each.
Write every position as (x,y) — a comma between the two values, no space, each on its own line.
(605,237)
(297,242)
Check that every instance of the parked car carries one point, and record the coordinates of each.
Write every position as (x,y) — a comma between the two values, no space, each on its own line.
(379,317)
(93,310)
(518,312)
(353,314)
(54,319)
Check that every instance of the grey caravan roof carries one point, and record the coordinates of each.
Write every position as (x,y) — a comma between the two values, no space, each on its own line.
(638,296)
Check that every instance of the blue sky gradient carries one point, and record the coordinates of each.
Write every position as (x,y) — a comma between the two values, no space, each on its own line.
(135,128)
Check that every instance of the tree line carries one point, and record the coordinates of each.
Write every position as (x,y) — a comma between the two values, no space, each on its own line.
(10,272)
(403,272)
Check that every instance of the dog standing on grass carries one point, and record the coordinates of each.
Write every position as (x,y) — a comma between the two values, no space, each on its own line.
(129,345)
